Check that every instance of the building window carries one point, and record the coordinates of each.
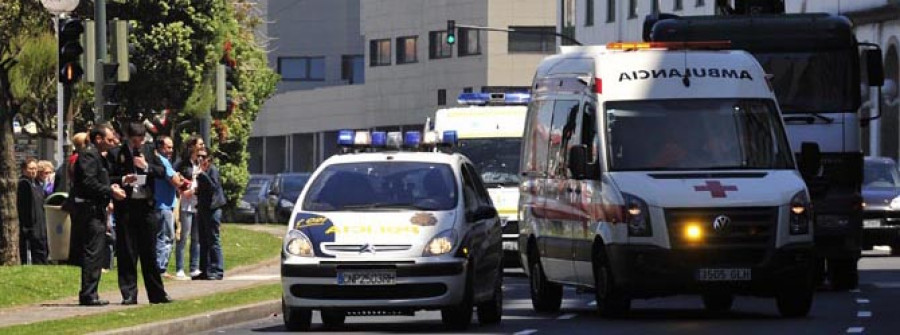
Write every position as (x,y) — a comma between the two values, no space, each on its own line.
(442,97)
(632,9)
(532,39)
(567,17)
(302,68)
(406,50)
(469,42)
(610,10)
(352,69)
(589,13)
(701,3)
(437,46)
(380,52)
(678,5)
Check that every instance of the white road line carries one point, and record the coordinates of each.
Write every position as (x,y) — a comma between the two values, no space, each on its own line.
(592,303)
(864,314)
(862,301)
(887,284)
(254,277)
(856,290)
(566,316)
(856,330)
(526,332)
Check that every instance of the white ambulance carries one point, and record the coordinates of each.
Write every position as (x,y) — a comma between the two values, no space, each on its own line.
(655,169)
(489,129)
(383,231)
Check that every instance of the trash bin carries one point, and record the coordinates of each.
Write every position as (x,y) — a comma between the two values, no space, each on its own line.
(59,226)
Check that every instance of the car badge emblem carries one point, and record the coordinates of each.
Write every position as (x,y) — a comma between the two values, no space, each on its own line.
(367,249)
(721,223)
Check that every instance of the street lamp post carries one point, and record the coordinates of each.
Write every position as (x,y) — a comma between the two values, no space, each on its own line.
(59,8)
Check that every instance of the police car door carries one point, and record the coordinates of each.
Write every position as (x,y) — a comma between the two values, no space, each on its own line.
(483,232)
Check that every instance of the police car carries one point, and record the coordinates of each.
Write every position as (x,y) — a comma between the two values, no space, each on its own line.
(389,227)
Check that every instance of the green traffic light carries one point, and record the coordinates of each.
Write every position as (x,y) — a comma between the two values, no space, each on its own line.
(451,39)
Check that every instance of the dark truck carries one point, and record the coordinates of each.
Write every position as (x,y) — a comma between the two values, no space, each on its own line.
(815,65)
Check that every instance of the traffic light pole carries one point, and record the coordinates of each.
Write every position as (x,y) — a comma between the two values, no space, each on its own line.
(100,33)
(60,106)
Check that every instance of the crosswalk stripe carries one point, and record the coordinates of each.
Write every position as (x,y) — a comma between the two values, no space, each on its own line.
(864,314)
(526,332)
(862,301)
(855,330)
(566,316)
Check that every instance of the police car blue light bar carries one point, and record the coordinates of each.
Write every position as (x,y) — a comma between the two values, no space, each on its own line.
(379,139)
(412,139)
(481,99)
(450,137)
(345,137)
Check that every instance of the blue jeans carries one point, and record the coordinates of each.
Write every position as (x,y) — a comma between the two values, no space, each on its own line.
(164,238)
(188,230)
(212,263)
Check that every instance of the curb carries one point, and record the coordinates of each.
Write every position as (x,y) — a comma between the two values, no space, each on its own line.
(203,322)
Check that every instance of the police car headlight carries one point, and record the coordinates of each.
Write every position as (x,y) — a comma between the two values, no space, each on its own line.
(800,214)
(298,244)
(637,215)
(441,243)
(895,203)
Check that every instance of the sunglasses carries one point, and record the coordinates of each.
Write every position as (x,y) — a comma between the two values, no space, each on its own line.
(202,157)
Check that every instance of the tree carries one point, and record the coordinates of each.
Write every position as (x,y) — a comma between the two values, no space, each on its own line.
(19,21)
(34,83)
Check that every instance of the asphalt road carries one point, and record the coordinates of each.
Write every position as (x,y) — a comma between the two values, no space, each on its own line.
(870,310)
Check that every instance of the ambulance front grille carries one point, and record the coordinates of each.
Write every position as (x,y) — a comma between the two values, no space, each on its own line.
(749,227)
(357,249)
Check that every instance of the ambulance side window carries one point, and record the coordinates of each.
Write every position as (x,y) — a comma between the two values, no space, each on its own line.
(589,136)
(562,134)
(537,137)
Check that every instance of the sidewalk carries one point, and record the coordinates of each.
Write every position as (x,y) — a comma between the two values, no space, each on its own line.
(267,272)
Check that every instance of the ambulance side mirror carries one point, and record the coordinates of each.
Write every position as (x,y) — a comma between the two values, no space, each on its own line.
(810,160)
(577,159)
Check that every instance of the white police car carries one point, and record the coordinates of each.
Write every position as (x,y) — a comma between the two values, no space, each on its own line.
(384,231)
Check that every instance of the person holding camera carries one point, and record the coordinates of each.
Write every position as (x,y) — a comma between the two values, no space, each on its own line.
(210,200)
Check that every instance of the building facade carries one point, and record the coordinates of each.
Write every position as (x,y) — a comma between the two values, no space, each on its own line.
(394,66)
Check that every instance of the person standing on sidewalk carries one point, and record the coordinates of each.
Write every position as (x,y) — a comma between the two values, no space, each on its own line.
(136,223)
(92,194)
(32,220)
(210,200)
(164,193)
(189,168)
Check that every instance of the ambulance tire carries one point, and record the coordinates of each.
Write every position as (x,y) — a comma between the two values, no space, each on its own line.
(332,319)
(459,317)
(296,319)
(843,274)
(718,302)
(491,311)
(546,296)
(611,302)
(795,301)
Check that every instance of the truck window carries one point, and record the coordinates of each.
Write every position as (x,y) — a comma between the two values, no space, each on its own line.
(562,135)
(820,81)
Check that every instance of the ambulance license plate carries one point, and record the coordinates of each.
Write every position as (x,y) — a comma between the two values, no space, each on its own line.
(354,278)
(739,274)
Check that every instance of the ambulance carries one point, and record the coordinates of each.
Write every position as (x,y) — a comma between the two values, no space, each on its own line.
(489,129)
(656,169)
(391,226)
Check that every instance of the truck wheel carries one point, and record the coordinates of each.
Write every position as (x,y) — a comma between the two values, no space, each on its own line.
(610,301)
(491,311)
(333,319)
(795,301)
(295,319)
(718,302)
(843,274)
(546,296)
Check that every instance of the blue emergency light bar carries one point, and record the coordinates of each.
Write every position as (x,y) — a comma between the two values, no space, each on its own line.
(450,137)
(345,138)
(379,139)
(411,139)
(481,99)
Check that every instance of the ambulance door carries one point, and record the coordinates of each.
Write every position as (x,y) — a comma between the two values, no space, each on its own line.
(583,239)
(562,190)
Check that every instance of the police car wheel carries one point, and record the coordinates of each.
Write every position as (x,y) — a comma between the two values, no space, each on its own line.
(459,317)
(296,319)
(718,302)
(491,311)
(610,302)
(333,318)
(546,296)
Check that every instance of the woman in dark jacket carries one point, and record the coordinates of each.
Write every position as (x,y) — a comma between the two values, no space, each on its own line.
(32,221)
(210,200)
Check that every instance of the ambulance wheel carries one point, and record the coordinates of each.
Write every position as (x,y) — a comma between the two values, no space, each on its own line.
(843,274)
(795,301)
(333,318)
(295,319)
(718,302)
(491,311)
(546,296)
(610,301)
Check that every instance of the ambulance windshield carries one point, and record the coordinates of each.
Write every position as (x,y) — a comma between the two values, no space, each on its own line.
(497,159)
(695,134)
(383,186)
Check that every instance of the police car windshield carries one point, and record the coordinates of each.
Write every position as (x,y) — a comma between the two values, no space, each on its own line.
(880,174)
(383,186)
(497,159)
(695,134)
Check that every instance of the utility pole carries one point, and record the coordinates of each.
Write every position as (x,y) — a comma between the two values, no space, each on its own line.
(100,38)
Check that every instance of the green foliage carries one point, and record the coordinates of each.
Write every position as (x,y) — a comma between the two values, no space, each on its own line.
(33,81)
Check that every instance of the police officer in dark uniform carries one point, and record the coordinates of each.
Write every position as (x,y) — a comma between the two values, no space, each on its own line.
(135,167)
(92,192)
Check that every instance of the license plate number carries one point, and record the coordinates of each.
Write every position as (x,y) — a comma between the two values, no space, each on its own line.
(871,223)
(366,278)
(741,274)
(510,245)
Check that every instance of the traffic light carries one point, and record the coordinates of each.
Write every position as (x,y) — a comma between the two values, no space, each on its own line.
(451,32)
(122,50)
(111,99)
(225,83)
(70,50)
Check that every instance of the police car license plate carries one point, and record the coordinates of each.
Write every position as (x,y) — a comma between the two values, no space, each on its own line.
(873,223)
(739,274)
(366,278)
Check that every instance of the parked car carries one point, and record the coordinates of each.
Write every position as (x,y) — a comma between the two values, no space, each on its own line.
(284,192)
(247,209)
(881,199)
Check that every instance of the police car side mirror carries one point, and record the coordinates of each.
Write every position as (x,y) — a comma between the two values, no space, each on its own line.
(577,160)
(481,213)
(810,160)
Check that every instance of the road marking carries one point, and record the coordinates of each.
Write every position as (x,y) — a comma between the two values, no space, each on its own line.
(856,330)
(526,332)
(864,314)
(254,277)
(592,303)
(566,316)
(887,285)
(862,301)
(856,290)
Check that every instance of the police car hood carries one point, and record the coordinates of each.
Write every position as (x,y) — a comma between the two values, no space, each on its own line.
(372,234)
(711,189)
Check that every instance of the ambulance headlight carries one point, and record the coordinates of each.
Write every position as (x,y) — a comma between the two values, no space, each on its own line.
(637,216)
(298,244)
(441,243)
(800,214)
